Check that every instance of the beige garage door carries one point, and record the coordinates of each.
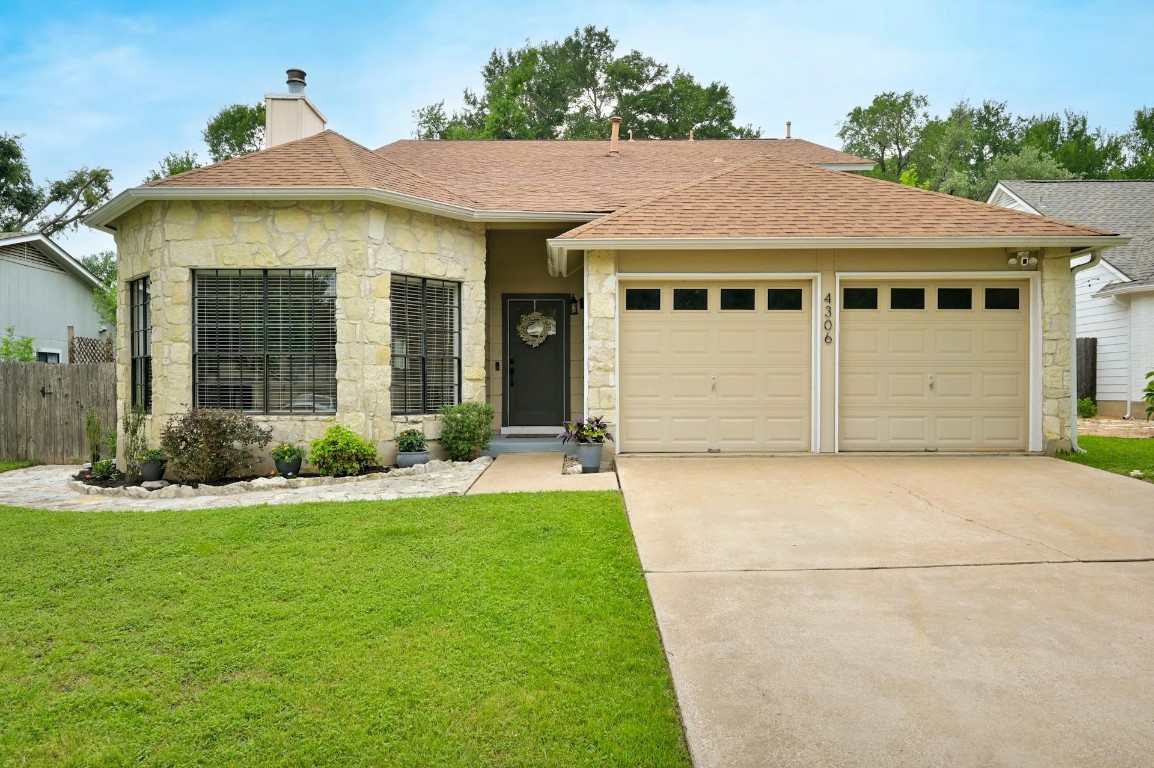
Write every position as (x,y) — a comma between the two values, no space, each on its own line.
(716,366)
(934,366)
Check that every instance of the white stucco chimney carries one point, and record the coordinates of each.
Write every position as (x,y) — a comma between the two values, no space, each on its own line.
(291,116)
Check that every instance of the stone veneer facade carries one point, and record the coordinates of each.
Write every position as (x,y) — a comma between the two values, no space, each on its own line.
(364,242)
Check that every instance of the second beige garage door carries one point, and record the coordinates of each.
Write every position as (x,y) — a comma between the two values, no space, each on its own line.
(716,366)
(934,366)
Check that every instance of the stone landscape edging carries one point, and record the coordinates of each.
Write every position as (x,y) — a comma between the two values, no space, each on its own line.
(174,491)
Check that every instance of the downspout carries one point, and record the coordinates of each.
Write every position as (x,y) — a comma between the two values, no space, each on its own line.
(1129,360)
(1095,258)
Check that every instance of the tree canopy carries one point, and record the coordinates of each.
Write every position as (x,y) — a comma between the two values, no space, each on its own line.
(969,150)
(568,89)
(56,206)
(235,130)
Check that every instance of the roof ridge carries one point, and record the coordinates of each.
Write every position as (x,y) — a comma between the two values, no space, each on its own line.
(341,153)
(666,193)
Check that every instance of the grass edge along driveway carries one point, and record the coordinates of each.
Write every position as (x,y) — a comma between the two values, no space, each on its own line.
(1120,455)
(492,630)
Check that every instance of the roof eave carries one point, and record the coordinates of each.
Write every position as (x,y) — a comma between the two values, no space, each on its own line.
(102,217)
(53,251)
(1097,242)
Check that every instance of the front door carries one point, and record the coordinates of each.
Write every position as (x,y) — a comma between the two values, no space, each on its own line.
(536,360)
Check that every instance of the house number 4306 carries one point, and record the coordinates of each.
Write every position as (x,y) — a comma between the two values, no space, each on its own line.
(827,318)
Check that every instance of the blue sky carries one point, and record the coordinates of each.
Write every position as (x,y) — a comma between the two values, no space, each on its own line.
(121,84)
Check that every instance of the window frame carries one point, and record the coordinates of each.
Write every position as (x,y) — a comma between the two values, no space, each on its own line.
(265,353)
(140,342)
(423,357)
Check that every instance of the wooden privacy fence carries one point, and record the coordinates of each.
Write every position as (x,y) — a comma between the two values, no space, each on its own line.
(1088,368)
(42,409)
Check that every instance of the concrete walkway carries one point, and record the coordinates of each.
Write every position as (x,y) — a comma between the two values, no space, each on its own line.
(517,472)
(46,487)
(865,611)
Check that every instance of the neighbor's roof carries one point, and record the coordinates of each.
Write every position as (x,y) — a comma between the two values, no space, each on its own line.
(1126,207)
(51,251)
(767,199)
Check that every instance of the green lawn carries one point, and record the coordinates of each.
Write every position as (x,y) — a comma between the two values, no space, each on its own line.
(509,630)
(1116,454)
(8,466)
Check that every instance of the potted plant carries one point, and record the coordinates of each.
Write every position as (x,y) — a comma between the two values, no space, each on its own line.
(288,458)
(152,464)
(590,436)
(412,448)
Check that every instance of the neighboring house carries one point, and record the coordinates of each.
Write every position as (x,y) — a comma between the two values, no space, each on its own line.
(1115,298)
(44,291)
(704,296)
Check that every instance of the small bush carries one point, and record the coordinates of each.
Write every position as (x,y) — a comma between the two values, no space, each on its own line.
(94,432)
(411,441)
(104,470)
(342,452)
(135,441)
(206,446)
(1087,408)
(466,429)
(1148,395)
(287,452)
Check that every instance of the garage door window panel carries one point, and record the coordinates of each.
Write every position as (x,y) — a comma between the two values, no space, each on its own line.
(643,299)
(739,299)
(1003,298)
(784,299)
(691,299)
(955,298)
(907,298)
(859,298)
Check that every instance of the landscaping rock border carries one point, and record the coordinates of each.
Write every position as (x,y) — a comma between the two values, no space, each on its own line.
(164,490)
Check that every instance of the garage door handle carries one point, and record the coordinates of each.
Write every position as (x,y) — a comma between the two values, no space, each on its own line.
(713,386)
(931,381)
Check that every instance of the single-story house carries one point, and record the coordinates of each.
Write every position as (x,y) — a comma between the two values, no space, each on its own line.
(1114,298)
(703,296)
(44,293)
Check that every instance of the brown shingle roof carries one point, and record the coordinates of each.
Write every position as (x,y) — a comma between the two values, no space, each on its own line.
(581,175)
(768,198)
(326,159)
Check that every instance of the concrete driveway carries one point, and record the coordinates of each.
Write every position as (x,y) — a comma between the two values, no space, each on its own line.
(883,611)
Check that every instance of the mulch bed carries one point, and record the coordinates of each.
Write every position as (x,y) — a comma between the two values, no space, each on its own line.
(119,482)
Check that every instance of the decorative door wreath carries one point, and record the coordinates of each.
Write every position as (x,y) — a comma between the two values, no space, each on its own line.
(535,327)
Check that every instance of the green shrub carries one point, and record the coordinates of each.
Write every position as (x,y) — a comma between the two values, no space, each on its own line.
(104,469)
(94,433)
(135,441)
(342,452)
(19,349)
(466,429)
(411,441)
(287,452)
(1148,395)
(206,446)
(1087,408)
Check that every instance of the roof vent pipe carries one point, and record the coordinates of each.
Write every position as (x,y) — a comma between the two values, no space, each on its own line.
(616,131)
(296,80)
(788,123)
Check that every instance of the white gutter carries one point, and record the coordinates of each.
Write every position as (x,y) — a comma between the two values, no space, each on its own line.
(1095,242)
(129,199)
(1095,257)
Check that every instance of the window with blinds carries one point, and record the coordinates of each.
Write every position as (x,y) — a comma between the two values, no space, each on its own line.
(140,336)
(265,340)
(426,328)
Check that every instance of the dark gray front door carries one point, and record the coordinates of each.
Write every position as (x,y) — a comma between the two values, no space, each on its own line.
(536,376)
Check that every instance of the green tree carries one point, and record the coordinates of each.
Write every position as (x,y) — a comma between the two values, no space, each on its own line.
(104,297)
(1030,163)
(13,348)
(1139,143)
(1085,153)
(570,88)
(172,164)
(886,131)
(234,131)
(57,206)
